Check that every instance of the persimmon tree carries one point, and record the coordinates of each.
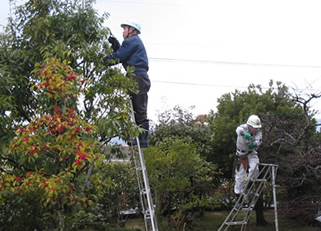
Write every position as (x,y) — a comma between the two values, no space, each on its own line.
(68,30)
(50,156)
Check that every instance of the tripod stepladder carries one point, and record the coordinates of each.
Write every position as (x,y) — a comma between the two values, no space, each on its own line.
(255,187)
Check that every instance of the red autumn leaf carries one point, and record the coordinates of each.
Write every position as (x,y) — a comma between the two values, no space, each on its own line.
(26,138)
(22,129)
(78,162)
(83,156)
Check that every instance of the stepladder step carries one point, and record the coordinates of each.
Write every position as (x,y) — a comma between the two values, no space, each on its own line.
(259,180)
(236,223)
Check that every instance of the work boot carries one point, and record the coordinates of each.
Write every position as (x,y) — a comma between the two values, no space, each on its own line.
(143,137)
(238,204)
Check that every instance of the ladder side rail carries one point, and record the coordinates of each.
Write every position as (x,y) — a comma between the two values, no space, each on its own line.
(252,202)
(140,187)
(274,198)
(145,181)
(147,188)
(139,178)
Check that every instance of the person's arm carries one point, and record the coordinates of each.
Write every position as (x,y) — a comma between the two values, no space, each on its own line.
(257,140)
(240,131)
(122,54)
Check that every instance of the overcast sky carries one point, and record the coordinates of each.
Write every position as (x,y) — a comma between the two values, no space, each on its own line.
(199,50)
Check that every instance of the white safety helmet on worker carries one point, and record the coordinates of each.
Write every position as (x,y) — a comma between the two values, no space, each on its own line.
(133,23)
(254,121)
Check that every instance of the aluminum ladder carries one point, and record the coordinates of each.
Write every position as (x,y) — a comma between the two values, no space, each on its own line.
(145,195)
(249,197)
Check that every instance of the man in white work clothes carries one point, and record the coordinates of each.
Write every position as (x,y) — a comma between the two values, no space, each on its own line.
(249,138)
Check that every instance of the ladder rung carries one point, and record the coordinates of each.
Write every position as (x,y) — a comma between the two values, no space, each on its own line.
(235,223)
(259,180)
(251,194)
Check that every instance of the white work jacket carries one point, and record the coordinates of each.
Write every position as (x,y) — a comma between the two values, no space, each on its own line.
(242,143)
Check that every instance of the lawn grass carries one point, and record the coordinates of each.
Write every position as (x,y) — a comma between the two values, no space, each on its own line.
(211,221)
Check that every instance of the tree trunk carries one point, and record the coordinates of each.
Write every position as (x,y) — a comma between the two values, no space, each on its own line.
(259,210)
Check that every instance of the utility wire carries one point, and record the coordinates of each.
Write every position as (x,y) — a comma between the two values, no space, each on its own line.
(218,86)
(229,63)
(149,2)
(200,84)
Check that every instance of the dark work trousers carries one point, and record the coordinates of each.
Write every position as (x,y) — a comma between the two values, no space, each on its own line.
(140,100)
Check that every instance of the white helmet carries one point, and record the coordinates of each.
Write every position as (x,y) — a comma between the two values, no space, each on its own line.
(254,121)
(134,24)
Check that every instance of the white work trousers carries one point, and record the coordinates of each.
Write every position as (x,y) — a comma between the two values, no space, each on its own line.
(240,175)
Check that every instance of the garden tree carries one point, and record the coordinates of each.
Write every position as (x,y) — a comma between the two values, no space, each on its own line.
(183,183)
(40,29)
(294,143)
(49,157)
(289,137)
(179,122)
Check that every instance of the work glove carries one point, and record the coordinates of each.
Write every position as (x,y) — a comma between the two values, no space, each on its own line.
(246,135)
(110,62)
(252,145)
(114,43)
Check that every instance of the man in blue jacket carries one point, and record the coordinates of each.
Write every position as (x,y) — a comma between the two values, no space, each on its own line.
(132,52)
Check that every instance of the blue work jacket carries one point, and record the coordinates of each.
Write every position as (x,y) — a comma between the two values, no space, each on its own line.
(132,52)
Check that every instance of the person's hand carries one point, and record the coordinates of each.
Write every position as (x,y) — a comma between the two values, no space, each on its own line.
(252,145)
(114,43)
(246,135)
